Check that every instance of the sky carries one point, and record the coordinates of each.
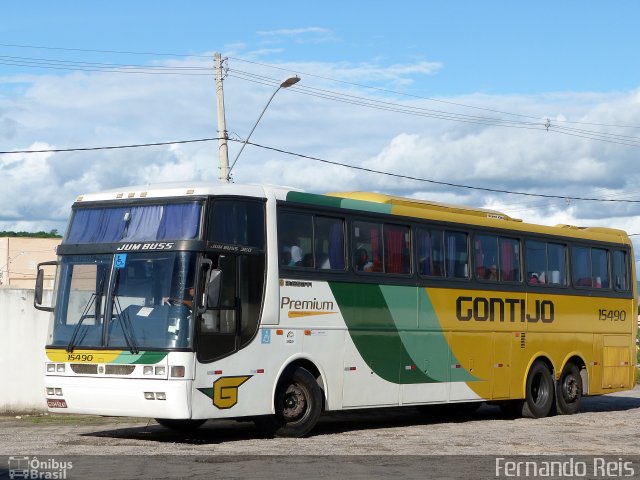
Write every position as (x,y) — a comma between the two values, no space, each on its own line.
(532,97)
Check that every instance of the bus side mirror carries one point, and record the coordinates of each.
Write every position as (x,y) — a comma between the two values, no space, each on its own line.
(214,280)
(37,298)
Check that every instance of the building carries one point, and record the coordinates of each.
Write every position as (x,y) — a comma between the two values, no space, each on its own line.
(19,257)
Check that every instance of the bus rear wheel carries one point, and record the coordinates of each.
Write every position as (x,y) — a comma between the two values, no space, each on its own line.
(539,397)
(298,405)
(569,390)
(180,425)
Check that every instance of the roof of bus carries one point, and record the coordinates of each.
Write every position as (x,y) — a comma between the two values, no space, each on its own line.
(182,189)
(361,201)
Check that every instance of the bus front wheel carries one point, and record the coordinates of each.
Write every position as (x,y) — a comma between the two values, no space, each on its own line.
(539,395)
(298,405)
(569,390)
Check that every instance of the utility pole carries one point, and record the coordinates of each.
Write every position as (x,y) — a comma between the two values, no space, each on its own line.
(222,124)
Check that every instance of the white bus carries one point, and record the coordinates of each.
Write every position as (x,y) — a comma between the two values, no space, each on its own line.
(192,302)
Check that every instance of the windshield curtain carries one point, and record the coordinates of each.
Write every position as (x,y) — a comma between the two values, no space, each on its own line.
(179,221)
(150,296)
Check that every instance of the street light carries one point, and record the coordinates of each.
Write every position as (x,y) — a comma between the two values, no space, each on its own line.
(285,84)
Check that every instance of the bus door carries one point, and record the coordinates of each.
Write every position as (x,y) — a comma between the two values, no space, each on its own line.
(232,324)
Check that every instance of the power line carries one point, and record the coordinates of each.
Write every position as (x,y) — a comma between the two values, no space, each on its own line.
(625,140)
(100,51)
(306,74)
(436,182)
(431,99)
(110,147)
(330,162)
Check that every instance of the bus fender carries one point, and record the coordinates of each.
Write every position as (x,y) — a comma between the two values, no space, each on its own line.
(540,355)
(301,359)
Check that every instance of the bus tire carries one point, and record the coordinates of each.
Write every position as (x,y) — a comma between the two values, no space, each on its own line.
(180,425)
(298,404)
(569,390)
(539,397)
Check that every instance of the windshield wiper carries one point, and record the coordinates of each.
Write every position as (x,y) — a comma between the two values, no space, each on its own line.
(123,318)
(85,313)
(125,325)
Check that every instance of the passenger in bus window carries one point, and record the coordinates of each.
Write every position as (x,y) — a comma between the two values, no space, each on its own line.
(362,261)
(492,273)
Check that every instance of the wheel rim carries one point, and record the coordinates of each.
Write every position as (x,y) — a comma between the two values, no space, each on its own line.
(295,403)
(570,388)
(540,390)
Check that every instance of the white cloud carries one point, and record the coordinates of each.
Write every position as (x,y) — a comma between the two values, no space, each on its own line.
(92,109)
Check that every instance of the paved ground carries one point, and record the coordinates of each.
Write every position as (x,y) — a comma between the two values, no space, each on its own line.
(608,425)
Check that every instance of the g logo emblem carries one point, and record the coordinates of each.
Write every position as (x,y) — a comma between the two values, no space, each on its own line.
(225,391)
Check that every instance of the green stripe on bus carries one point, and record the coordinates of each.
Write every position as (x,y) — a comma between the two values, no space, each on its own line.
(338,202)
(374,332)
(142,358)
(397,333)
(313,199)
(421,334)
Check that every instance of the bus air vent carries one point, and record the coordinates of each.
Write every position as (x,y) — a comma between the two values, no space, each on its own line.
(85,368)
(119,369)
(523,340)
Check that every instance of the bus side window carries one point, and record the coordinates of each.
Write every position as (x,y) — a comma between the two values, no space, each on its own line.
(600,268)
(581,266)
(397,248)
(430,261)
(486,257)
(456,246)
(295,237)
(556,264)
(620,271)
(328,243)
(509,259)
(368,246)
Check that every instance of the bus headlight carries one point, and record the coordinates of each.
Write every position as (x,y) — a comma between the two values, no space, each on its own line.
(60,367)
(149,396)
(147,370)
(161,370)
(51,367)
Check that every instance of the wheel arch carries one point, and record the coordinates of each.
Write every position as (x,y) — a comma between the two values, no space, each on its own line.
(545,358)
(311,366)
(577,359)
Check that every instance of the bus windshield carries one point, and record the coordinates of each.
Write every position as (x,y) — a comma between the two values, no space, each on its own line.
(149,297)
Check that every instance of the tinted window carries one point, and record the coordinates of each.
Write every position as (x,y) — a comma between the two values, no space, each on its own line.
(329,243)
(397,248)
(620,270)
(546,263)
(456,255)
(367,255)
(430,252)
(295,239)
(581,266)
(600,268)
(509,259)
(486,257)
(311,241)
(557,264)
(237,223)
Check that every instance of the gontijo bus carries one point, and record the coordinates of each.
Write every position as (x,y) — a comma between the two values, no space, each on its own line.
(191,302)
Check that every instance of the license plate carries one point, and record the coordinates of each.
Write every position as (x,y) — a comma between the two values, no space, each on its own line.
(56,403)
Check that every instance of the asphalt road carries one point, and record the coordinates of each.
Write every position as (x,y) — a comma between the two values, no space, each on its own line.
(381,438)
